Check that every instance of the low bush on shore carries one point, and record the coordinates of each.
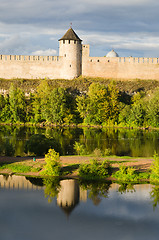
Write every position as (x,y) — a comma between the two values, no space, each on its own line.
(53,164)
(95,170)
(129,174)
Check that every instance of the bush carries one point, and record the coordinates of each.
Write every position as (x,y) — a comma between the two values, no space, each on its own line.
(97,152)
(107,152)
(129,174)
(79,148)
(53,164)
(154,177)
(95,170)
(126,174)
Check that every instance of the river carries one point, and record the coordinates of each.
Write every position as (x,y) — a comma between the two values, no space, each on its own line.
(120,142)
(67,209)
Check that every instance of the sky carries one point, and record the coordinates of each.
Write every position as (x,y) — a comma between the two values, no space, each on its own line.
(33,27)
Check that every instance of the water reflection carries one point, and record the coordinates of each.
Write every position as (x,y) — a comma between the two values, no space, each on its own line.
(68,196)
(70,192)
(130,142)
(120,212)
(17,182)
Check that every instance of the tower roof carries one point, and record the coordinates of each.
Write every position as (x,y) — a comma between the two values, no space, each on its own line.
(70,35)
(112,53)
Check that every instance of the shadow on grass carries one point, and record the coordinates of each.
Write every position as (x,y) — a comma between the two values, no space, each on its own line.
(70,169)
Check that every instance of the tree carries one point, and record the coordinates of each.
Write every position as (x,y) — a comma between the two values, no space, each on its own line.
(17,104)
(101,104)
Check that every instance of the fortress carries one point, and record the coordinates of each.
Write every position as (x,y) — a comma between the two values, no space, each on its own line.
(74,60)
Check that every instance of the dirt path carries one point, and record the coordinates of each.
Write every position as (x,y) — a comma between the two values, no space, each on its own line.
(139,163)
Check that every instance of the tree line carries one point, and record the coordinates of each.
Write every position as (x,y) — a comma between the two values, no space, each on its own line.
(100,105)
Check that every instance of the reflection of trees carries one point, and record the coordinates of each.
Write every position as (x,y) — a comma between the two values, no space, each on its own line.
(39,144)
(131,142)
(35,181)
(96,189)
(154,195)
(52,188)
(126,187)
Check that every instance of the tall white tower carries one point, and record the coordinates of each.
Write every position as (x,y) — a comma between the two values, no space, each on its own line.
(71,50)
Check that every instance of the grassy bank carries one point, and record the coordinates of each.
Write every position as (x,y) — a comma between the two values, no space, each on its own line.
(73,166)
(81,84)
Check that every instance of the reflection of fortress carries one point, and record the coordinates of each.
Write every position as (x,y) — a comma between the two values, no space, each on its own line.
(74,60)
(16,182)
(70,194)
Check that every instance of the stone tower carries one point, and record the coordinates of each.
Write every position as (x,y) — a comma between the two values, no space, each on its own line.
(70,50)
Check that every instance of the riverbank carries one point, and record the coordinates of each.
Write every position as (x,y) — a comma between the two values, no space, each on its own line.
(30,166)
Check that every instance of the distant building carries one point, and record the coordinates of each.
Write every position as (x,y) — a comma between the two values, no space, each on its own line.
(74,60)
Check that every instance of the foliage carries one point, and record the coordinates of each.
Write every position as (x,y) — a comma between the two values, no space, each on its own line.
(9,149)
(79,148)
(52,188)
(126,187)
(128,174)
(6,148)
(17,104)
(97,152)
(154,177)
(100,105)
(95,102)
(154,194)
(96,189)
(95,170)
(53,164)
(39,144)
(107,152)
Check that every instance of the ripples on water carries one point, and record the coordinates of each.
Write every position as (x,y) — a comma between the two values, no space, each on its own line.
(76,210)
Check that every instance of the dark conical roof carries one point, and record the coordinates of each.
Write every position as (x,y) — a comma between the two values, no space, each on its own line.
(70,35)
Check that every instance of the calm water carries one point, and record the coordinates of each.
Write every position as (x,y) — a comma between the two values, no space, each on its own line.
(136,143)
(72,210)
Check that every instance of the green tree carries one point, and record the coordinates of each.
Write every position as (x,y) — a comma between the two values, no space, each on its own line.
(101,104)
(57,106)
(17,104)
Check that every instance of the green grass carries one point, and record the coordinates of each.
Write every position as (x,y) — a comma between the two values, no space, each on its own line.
(19,168)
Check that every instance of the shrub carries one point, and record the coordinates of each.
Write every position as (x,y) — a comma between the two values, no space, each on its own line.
(107,152)
(95,170)
(79,148)
(53,164)
(126,174)
(154,177)
(97,152)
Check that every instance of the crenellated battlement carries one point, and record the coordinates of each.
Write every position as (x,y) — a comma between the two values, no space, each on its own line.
(29,58)
(138,60)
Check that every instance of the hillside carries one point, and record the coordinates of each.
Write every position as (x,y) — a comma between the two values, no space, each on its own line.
(81,84)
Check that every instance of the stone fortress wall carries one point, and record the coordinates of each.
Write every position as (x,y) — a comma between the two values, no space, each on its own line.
(74,60)
(30,67)
(119,67)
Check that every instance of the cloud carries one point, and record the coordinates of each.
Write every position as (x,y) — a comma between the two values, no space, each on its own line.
(47,52)
(28,26)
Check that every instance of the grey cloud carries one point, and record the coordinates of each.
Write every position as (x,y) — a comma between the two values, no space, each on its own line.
(40,23)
